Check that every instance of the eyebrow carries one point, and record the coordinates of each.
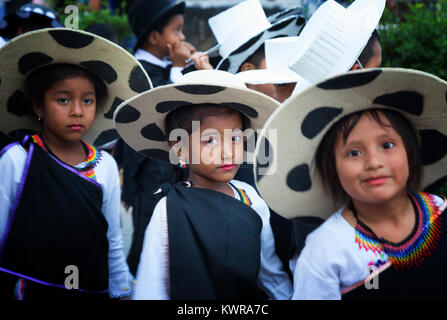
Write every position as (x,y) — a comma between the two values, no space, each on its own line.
(68,92)
(382,136)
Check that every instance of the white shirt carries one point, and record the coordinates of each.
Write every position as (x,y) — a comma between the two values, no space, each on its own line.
(331,261)
(176,72)
(152,280)
(12,164)
(2,42)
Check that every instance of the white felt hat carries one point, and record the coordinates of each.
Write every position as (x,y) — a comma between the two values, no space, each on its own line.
(286,176)
(279,53)
(334,37)
(140,121)
(122,74)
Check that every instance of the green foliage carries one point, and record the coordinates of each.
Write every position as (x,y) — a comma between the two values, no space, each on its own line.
(418,39)
(117,21)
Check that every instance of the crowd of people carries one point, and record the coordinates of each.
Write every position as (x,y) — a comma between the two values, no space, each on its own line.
(335,190)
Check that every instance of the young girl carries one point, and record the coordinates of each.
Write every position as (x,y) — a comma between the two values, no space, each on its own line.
(209,236)
(60,196)
(371,134)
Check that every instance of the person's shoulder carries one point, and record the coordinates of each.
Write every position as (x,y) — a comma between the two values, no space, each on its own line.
(243,185)
(106,158)
(13,152)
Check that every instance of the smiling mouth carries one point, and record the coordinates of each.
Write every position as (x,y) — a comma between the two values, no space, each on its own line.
(376,180)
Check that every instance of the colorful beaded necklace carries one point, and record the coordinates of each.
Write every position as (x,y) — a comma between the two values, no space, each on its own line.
(412,251)
(87,167)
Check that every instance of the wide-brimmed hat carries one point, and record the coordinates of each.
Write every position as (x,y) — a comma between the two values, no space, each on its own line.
(243,29)
(122,74)
(279,53)
(140,121)
(143,14)
(46,17)
(301,123)
(333,38)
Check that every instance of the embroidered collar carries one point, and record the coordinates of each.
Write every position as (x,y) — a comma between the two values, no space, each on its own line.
(87,167)
(241,192)
(418,246)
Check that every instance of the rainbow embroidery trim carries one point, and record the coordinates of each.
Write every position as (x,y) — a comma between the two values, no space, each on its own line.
(420,246)
(87,166)
(244,198)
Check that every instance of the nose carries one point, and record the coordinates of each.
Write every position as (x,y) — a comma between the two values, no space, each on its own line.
(373,160)
(181,36)
(228,151)
(76,108)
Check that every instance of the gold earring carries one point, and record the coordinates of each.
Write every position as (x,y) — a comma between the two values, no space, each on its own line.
(38,118)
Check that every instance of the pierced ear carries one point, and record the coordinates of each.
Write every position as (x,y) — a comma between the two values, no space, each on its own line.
(37,108)
(179,150)
(246,66)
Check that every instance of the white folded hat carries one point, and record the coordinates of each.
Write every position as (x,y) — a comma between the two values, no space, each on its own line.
(334,37)
(279,53)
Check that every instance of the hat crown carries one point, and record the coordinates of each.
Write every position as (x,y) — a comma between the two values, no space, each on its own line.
(238,24)
(212,77)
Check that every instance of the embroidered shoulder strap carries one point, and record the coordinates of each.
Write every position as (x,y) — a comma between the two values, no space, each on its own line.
(242,195)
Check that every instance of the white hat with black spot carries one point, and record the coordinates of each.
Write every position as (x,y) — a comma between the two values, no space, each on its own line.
(287,145)
(140,121)
(122,74)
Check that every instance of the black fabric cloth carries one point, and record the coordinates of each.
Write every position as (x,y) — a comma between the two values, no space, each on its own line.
(159,76)
(4,140)
(214,245)
(301,227)
(58,223)
(426,281)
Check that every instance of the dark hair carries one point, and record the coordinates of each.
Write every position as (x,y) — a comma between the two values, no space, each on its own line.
(368,51)
(325,155)
(42,79)
(256,58)
(182,118)
(158,26)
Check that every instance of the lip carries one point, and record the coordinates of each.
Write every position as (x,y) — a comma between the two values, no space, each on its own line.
(374,181)
(76,127)
(227,167)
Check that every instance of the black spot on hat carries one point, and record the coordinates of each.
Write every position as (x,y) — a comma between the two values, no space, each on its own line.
(138,81)
(243,108)
(168,106)
(225,65)
(282,24)
(199,89)
(127,114)
(247,44)
(101,69)
(19,104)
(106,137)
(350,80)
(116,102)
(152,132)
(317,120)
(264,157)
(298,178)
(33,60)
(407,101)
(300,21)
(433,146)
(70,39)
(156,154)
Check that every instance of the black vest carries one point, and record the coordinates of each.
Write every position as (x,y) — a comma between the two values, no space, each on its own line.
(56,222)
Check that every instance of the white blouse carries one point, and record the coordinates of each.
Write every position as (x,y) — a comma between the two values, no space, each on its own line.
(12,164)
(152,280)
(332,263)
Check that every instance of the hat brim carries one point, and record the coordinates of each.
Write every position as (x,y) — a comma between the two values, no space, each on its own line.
(122,74)
(301,123)
(140,121)
(261,76)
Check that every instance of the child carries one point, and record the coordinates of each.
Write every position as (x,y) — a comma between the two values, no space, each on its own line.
(209,236)
(60,196)
(370,133)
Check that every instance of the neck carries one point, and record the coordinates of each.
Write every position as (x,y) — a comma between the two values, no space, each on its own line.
(71,152)
(156,51)
(393,210)
(200,182)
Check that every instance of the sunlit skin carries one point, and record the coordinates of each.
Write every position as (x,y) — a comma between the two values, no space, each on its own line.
(284,90)
(373,170)
(67,114)
(220,152)
(266,88)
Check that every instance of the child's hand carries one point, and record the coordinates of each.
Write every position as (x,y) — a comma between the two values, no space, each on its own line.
(179,53)
(201,61)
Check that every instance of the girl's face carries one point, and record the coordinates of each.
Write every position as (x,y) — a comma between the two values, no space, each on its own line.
(69,109)
(218,150)
(372,165)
